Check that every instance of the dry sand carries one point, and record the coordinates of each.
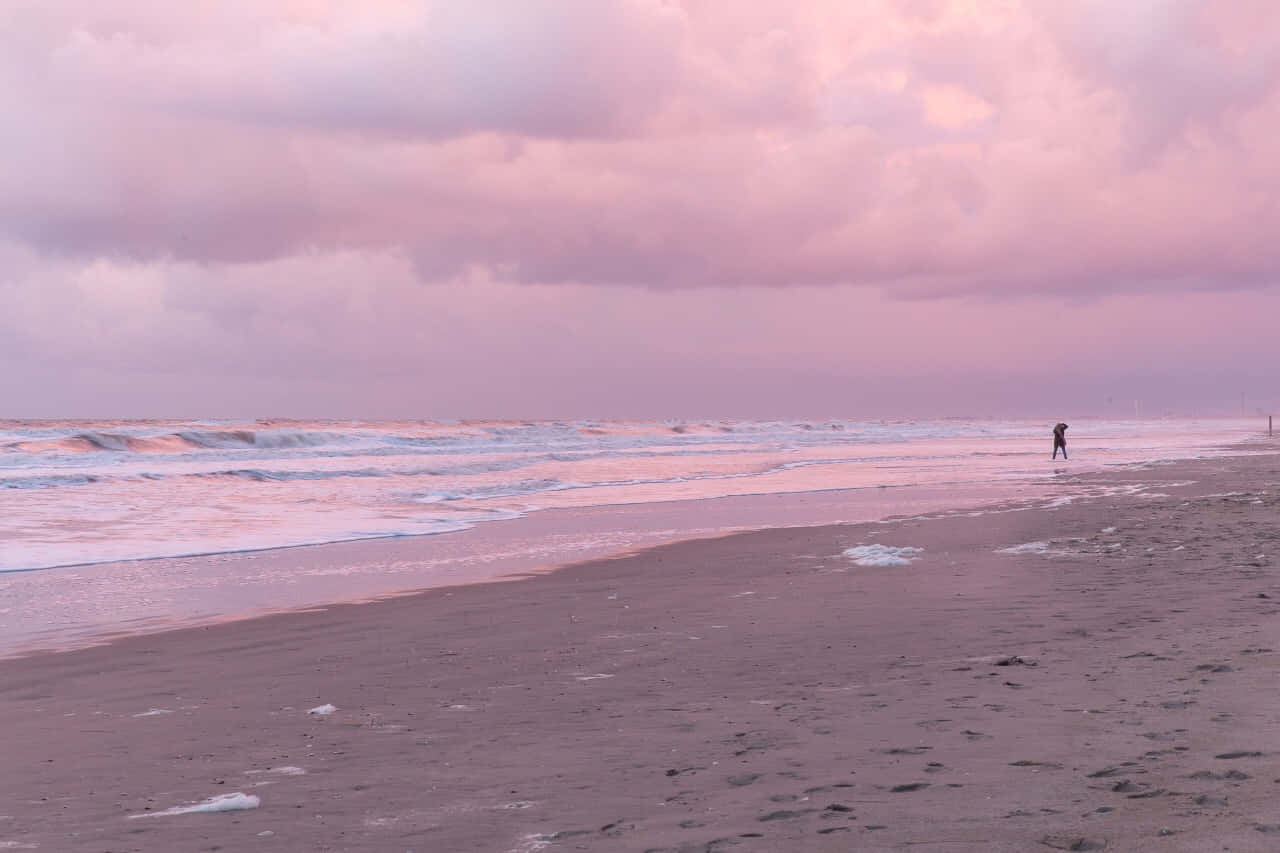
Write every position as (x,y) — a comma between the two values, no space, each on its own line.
(1114,688)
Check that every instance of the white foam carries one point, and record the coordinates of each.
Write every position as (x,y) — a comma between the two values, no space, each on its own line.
(1108,530)
(322,710)
(593,677)
(1041,548)
(532,843)
(287,770)
(221,803)
(1025,548)
(154,712)
(883,555)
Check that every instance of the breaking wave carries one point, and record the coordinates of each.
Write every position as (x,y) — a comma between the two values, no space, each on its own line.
(177,442)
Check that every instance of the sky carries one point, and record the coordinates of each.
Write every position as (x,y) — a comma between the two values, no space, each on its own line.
(639,208)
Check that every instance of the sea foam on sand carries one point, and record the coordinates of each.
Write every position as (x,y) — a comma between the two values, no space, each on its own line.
(883,555)
(221,803)
(1026,548)
(287,770)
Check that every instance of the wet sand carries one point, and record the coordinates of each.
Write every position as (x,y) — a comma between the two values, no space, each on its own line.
(1112,687)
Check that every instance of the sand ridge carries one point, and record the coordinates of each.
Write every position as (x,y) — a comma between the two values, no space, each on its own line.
(1112,690)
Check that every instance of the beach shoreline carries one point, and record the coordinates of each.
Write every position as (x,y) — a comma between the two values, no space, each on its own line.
(757,691)
(102,602)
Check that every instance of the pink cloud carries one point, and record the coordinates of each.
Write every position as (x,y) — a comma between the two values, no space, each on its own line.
(931,148)
(356,333)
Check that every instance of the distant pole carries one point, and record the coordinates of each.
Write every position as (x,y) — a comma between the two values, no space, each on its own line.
(1269,432)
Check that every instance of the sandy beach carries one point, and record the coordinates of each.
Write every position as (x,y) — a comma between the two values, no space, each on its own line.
(1087,675)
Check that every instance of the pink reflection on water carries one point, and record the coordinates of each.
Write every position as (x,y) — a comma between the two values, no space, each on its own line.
(66,608)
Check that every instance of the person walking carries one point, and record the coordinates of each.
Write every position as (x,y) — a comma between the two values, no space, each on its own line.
(1060,440)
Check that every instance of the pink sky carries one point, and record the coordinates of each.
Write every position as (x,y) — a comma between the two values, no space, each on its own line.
(540,208)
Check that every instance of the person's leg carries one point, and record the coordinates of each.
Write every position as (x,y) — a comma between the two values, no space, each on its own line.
(1055,450)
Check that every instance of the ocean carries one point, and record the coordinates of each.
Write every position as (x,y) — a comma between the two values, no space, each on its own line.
(113,526)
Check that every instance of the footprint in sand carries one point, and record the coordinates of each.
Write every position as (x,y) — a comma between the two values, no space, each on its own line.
(785,814)
(1126,767)
(1215,667)
(1072,842)
(1230,775)
(822,789)
(1048,765)
(1210,800)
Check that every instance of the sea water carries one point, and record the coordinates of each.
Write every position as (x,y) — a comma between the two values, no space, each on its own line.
(100,521)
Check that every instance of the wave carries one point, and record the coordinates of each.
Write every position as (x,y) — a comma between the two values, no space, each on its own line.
(328,438)
(184,441)
(501,490)
(265,475)
(487,491)
(89,442)
(521,488)
(270,439)
(48,481)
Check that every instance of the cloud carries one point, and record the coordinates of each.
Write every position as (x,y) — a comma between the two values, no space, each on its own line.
(429,70)
(355,333)
(1173,65)
(931,149)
